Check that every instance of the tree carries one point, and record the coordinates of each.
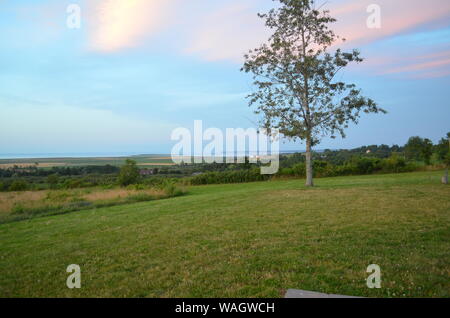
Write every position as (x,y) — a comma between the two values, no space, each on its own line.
(295,78)
(419,149)
(443,147)
(413,148)
(447,160)
(427,151)
(129,173)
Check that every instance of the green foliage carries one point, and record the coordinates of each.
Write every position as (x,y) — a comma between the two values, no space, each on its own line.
(447,160)
(129,173)
(356,166)
(18,208)
(137,187)
(53,180)
(419,149)
(172,190)
(295,76)
(18,185)
(442,149)
(240,176)
(73,184)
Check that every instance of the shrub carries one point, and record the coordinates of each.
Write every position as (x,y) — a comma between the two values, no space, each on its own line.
(286,172)
(447,160)
(73,184)
(137,187)
(18,208)
(53,180)
(57,196)
(172,190)
(394,164)
(129,173)
(18,185)
(239,176)
(299,170)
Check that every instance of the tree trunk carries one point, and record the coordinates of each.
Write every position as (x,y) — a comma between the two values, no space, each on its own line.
(309,163)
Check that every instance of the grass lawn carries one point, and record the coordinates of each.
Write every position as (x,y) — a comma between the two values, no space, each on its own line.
(243,240)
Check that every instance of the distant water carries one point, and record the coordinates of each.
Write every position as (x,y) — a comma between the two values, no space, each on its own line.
(66,155)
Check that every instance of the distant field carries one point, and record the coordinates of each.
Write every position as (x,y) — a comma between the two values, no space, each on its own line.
(243,240)
(144,160)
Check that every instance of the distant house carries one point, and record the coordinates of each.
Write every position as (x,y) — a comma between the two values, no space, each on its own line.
(197,174)
(145,172)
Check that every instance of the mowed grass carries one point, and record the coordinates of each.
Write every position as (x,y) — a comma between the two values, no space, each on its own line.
(243,240)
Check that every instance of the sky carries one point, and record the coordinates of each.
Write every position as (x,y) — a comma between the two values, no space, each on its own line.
(137,69)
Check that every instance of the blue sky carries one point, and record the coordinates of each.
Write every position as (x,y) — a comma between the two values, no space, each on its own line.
(136,70)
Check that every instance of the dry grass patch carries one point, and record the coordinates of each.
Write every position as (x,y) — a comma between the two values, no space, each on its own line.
(29,203)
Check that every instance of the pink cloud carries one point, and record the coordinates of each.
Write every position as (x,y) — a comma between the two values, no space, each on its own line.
(397,17)
(227,33)
(118,24)
(432,74)
(224,32)
(419,66)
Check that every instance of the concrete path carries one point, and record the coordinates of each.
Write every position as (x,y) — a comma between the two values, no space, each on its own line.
(296,293)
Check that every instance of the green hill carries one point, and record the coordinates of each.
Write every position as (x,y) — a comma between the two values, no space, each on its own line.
(243,240)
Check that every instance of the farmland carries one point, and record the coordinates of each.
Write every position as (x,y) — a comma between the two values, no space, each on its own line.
(142,160)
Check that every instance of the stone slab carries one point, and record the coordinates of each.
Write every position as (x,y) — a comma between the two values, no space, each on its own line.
(296,293)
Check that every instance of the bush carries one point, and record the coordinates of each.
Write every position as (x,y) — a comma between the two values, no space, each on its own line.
(129,173)
(172,190)
(394,164)
(286,172)
(137,187)
(73,184)
(18,185)
(240,176)
(18,208)
(53,181)
(57,196)
(299,170)
(447,160)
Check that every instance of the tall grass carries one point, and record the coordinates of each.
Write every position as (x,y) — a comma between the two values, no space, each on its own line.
(24,205)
